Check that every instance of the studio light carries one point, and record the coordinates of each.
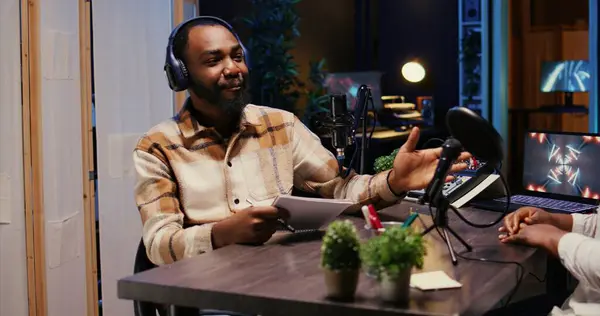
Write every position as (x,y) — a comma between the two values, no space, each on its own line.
(413,71)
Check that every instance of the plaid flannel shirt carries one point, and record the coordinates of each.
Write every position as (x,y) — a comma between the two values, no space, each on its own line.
(189,177)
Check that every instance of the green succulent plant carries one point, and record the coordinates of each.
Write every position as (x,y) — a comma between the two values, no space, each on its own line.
(384,163)
(341,247)
(395,250)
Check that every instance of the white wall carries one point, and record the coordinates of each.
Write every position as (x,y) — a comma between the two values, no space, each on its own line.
(62,157)
(13,265)
(132,95)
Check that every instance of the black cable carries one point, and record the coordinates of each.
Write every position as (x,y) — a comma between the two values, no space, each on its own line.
(506,207)
(520,273)
(431,140)
(538,278)
(520,268)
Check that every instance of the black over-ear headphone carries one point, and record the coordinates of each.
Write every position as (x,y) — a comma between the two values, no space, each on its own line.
(177,73)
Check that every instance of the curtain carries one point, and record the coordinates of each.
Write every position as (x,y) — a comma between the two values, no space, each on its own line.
(131,95)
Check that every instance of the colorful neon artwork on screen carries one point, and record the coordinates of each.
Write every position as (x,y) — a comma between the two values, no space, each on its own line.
(563,164)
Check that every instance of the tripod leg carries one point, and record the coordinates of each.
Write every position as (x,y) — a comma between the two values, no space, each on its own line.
(449,244)
(462,241)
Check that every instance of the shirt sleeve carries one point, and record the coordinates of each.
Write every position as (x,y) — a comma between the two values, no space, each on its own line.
(586,224)
(580,255)
(157,199)
(316,170)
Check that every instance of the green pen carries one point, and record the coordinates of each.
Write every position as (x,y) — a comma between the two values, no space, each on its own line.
(410,219)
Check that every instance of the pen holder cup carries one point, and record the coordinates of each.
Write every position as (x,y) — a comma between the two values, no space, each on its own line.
(374,232)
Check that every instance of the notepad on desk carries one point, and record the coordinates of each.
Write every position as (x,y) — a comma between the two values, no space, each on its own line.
(311,213)
(434,280)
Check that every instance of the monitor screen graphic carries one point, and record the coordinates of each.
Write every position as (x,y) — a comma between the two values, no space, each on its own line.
(565,76)
(564,164)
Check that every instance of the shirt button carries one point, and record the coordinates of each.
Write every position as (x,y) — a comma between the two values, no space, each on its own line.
(236,201)
(229,163)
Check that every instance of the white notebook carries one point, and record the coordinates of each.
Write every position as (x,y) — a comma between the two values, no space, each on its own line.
(434,280)
(311,213)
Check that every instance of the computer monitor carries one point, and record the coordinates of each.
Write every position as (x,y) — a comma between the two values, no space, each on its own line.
(562,163)
(565,76)
(348,83)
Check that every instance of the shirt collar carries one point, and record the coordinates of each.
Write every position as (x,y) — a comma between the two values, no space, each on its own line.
(189,126)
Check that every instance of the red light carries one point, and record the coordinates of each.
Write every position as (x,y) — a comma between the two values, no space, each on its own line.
(533,187)
(589,139)
(540,136)
(589,194)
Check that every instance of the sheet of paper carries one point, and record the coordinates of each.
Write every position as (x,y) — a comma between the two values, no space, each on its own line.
(435,280)
(5,199)
(311,213)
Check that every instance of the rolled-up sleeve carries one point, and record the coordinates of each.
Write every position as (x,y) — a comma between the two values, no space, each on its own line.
(585,224)
(316,170)
(157,199)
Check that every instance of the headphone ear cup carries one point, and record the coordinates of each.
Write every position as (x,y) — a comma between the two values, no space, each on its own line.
(177,75)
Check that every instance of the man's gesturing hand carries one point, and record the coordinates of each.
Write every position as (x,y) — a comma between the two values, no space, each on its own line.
(253,225)
(413,169)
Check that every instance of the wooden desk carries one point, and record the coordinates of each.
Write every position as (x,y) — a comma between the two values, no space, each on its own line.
(284,278)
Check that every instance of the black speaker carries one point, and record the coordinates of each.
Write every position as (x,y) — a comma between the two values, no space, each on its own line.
(471,10)
(427,110)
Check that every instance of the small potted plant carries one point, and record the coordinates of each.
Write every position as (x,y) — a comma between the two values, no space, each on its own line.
(340,259)
(390,257)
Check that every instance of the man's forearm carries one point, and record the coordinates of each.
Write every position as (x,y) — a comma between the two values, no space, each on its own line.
(562,221)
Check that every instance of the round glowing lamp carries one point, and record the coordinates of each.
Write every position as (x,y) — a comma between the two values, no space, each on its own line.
(413,71)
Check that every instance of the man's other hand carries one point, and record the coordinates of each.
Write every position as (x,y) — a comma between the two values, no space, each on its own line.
(413,169)
(253,225)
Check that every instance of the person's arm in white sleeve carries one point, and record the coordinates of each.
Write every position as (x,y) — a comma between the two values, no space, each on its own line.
(579,252)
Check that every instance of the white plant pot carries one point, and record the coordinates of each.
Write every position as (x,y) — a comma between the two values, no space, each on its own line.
(395,290)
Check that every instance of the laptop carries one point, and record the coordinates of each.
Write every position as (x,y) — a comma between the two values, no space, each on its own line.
(561,174)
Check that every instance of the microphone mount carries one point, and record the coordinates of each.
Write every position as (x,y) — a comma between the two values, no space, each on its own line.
(353,120)
(451,150)
(364,96)
(477,136)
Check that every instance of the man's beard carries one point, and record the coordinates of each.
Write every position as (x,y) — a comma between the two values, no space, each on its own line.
(233,107)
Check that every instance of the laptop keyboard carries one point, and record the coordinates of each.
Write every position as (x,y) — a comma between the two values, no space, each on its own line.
(548,204)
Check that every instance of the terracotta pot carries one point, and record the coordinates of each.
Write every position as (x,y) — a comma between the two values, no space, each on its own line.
(396,289)
(341,284)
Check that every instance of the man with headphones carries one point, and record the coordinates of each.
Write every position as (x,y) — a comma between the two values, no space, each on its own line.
(207,177)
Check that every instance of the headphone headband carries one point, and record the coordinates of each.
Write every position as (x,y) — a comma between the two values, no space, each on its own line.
(220,21)
(175,69)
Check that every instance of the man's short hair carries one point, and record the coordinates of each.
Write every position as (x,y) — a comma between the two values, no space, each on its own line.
(180,42)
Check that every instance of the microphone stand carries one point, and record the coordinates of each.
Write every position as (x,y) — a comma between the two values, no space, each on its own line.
(363,120)
(440,223)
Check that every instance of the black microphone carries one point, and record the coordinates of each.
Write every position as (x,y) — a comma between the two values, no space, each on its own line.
(341,127)
(451,150)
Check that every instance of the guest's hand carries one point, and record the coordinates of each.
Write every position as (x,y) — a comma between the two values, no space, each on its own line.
(413,169)
(527,215)
(538,235)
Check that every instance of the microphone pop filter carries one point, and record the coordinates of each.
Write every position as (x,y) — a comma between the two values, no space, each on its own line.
(476,134)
